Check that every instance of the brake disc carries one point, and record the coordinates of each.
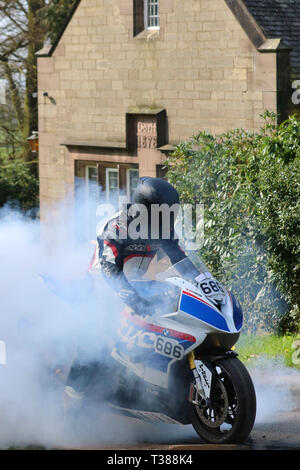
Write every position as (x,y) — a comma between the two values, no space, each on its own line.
(214,412)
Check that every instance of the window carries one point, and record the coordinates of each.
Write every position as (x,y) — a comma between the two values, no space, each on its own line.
(87,198)
(146,15)
(132,182)
(112,185)
(151,12)
(91,182)
(98,182)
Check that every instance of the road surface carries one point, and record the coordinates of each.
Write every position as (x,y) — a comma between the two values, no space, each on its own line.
(277,424)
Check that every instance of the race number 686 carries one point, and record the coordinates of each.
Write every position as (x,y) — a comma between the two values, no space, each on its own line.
(168,347)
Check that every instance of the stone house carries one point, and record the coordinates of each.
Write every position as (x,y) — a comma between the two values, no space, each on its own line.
(126,80)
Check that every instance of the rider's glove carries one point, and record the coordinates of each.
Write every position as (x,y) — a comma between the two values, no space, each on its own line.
(143,307)
(154,304)
(140,305)
(128,296)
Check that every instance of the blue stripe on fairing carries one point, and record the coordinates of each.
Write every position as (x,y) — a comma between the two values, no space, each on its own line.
(198,309)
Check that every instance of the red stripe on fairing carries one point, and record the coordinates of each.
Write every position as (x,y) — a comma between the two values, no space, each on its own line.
(113,248)
(157,329)
(198,298)
(229,295)
(138,256)
(192,295)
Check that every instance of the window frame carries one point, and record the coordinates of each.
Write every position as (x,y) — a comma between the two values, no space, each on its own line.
(88,180)
(147,16)
(128,186)
(107,189)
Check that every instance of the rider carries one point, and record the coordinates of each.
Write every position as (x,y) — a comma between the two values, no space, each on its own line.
(119,256)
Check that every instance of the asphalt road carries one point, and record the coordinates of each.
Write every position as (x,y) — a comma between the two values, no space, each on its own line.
(277,424)
(278,414)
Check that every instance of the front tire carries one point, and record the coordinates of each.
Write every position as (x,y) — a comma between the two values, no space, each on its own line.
(229,415)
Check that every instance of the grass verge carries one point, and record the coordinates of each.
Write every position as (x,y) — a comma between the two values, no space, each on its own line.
(253,349)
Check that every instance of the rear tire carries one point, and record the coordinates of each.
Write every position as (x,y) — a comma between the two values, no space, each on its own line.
(230,414)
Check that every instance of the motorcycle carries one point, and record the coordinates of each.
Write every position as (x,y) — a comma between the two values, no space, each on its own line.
(179,364)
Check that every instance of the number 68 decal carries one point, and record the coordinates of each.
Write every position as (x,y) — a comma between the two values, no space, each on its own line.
(168,347)
(210,287)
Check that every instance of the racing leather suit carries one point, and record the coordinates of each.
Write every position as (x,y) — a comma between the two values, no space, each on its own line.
(119,258)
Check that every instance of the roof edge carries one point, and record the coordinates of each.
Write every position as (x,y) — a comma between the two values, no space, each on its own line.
(247,21)
(274,45)
(44,52)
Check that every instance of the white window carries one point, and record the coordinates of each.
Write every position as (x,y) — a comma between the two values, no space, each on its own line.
(132,182)
(86,210)
(151,14)
(112,185)
(91,182)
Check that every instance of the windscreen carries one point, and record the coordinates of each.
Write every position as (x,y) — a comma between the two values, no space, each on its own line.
(189,268)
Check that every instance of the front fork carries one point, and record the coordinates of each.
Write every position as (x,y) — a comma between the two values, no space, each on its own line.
(203,378)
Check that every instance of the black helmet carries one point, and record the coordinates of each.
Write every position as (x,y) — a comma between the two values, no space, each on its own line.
(155,191)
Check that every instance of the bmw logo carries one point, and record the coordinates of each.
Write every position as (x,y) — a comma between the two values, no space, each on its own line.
(166,332)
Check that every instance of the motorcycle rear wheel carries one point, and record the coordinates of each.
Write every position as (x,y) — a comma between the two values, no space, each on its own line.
(228,416)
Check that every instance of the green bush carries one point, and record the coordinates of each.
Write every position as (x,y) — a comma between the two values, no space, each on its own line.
(279,211)
(18,186)
(249,184)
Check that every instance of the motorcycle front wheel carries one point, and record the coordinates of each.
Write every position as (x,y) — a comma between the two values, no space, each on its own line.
(228,416)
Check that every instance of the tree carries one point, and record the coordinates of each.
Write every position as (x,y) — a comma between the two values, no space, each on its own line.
(25,25)
(55,15)
(22,35)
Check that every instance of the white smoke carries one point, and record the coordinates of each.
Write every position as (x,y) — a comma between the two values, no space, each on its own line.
(275,385)
(41,332)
